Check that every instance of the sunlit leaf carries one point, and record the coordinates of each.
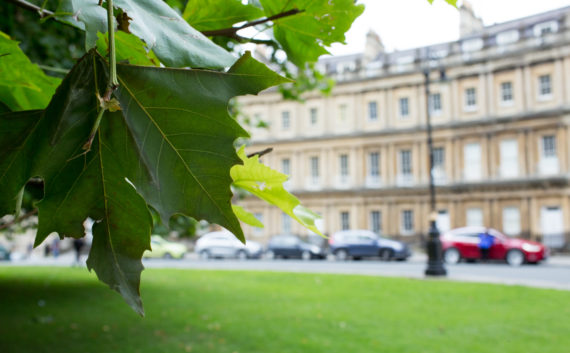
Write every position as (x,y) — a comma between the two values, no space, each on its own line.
(246,217)
(267,184)
(23,85)
(217,14)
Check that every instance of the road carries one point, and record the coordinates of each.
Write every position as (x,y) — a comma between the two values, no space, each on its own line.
(555,273)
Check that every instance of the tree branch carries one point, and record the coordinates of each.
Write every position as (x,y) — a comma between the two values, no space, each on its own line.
(18,220)
(260,153)
(29,6)
(231,31)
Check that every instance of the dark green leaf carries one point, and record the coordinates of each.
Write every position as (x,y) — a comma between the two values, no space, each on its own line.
(48,144)
(23,85)
(209,15)
(184,135)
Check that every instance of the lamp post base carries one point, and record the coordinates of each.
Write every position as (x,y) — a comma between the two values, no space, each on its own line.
(435,254)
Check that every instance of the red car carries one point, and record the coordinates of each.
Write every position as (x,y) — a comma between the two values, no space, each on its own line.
(463,243)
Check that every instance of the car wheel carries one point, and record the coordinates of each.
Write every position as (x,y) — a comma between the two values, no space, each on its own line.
(451,256)
(515,257)
(205,255)
(270,255)
(167,256)
(385,254)
(242,255)
(306,255)
(341,255)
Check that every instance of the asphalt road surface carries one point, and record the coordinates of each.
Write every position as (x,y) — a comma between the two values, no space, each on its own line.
(554,273)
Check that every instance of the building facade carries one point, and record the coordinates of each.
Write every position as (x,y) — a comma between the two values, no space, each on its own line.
(500,111)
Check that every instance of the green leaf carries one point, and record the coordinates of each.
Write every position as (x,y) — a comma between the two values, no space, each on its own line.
(305,35)
(246,217)
(48,144)
(267,184)
(129,48)
(210,14)
(184,135)
(86,15)
(171,38)
(23,85)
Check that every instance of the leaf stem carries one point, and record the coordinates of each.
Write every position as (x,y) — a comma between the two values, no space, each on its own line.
(29,6)
(87,146)
(113,82)
(231,31)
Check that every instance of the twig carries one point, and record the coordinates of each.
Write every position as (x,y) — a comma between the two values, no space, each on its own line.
(29,6)
(260,153)
(18,220)
(231,31)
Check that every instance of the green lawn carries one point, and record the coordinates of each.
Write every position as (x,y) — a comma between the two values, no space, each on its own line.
(68,310)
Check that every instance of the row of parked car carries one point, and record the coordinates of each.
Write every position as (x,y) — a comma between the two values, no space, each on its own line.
(458,244)
(342,245)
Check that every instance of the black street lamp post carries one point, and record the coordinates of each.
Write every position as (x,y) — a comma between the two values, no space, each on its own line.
(435,254)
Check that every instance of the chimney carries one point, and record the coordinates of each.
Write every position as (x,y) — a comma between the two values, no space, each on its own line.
(373,46)
(468,22)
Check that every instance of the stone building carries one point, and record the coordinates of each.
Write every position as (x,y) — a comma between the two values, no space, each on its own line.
(500,108)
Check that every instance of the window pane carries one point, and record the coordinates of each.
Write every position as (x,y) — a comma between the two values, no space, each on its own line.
(407,221)
(511,221)
(315,167)
(404,109)
(344,221)
(470,97)
(406,162)
(374,164)
(313,116)
(506,91)
(285,223)
(474,217)
(343,160)
(549,146)
(544,87)
(435,103)
(376,222)
(372,111)
(285,120)
(286,166)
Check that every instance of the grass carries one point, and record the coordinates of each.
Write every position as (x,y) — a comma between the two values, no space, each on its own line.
(68,310)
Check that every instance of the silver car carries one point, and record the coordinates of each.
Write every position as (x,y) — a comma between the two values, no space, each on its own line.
(223,244)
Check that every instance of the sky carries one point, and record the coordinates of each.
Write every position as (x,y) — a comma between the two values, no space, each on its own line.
(404,24)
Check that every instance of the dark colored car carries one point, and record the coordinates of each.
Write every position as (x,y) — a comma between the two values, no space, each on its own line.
(291,246)
(463,243)
(365,243)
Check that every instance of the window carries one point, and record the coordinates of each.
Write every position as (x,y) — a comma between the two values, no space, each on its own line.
(544,87)
(548,164)
(543,28)
(344,221)
(549,146)
(343,163)
(258,231)
(406,162)
(285,223)
(474,217)
(508,37)
(435,103)
(438,171)
(315,169)
(286,166)
(443,222)
(472,161)
(470,99)
(342,112)
(285,120)
(506,92)
(374,164)
(404,107)
(509,151)
(472,45)
(376,222)
(511,221)
(372,111)
(407,222)
(313,115)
